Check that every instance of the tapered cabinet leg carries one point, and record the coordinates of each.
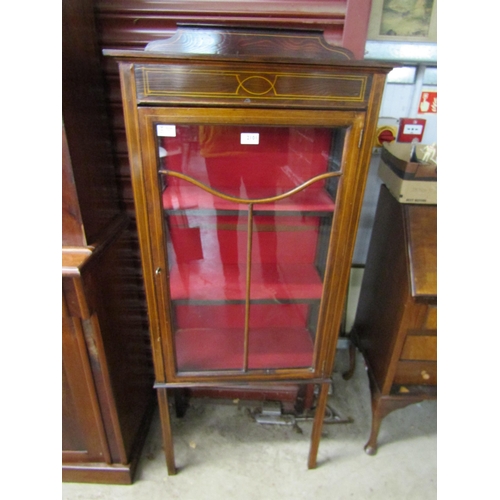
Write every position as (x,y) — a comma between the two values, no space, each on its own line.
(319,416)
(168,444)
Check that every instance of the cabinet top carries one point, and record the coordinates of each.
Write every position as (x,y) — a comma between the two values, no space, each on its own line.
(422,249)
(262,45)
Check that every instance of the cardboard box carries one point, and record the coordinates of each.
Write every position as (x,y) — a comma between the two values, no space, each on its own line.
(409,182)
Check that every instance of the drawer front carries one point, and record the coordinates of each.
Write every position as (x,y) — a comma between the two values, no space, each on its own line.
(420,347)
(431,319)
(217,84)
(416,373)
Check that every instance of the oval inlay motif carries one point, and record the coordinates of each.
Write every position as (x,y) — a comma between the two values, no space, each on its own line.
(256,85)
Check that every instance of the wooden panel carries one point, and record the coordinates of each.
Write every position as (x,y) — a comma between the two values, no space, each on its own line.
(98,473)
(107,382)
(384,291)
(130,23)
(422,249)
(332,8)
(72,225)
(282,45)
(73,436)
(74,298)
(85,119)
(422,347)
(416,373)
(181,83)
(431,320)
(121,352)
(82,430)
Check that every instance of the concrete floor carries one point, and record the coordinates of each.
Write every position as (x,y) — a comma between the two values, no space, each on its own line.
(223,454)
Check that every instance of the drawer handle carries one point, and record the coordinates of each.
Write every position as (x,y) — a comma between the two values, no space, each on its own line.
(425,375)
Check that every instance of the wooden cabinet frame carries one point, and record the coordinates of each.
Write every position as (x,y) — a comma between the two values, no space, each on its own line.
(321,87)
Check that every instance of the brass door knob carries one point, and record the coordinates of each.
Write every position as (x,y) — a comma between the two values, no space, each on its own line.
(425,375)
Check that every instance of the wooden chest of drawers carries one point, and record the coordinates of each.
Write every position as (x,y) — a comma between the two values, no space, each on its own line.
(396,320)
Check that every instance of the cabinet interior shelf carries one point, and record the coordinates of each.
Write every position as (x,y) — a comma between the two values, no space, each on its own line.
(180,199)
(226,302)
(201,280)
(222,348)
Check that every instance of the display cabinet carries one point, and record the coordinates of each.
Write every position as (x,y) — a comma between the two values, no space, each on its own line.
(249,152)
(132,24)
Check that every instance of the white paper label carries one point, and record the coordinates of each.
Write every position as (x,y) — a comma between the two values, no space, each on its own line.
(249,138)
(165,130)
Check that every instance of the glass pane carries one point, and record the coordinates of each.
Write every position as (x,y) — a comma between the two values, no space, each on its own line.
(285,290)
(207,260)
(247,299)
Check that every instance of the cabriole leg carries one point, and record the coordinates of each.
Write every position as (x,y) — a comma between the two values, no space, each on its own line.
(381,407)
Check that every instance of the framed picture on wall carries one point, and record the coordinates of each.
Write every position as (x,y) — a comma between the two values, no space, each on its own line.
(403,21)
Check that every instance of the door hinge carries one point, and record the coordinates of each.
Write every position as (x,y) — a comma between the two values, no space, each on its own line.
(361,138)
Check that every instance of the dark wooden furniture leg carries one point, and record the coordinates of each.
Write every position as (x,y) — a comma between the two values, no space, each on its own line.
(319,416)
(352,362)
(181,398)
(168,444)
(381,407)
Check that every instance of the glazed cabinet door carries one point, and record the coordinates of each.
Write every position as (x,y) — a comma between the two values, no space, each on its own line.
(243,209)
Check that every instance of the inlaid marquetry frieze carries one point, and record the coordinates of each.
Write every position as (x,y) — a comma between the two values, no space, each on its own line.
(177,83)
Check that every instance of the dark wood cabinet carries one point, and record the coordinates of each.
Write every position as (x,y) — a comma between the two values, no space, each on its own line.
(249,152)
(132,24)
(107,376)
(396,320)
(107,380)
